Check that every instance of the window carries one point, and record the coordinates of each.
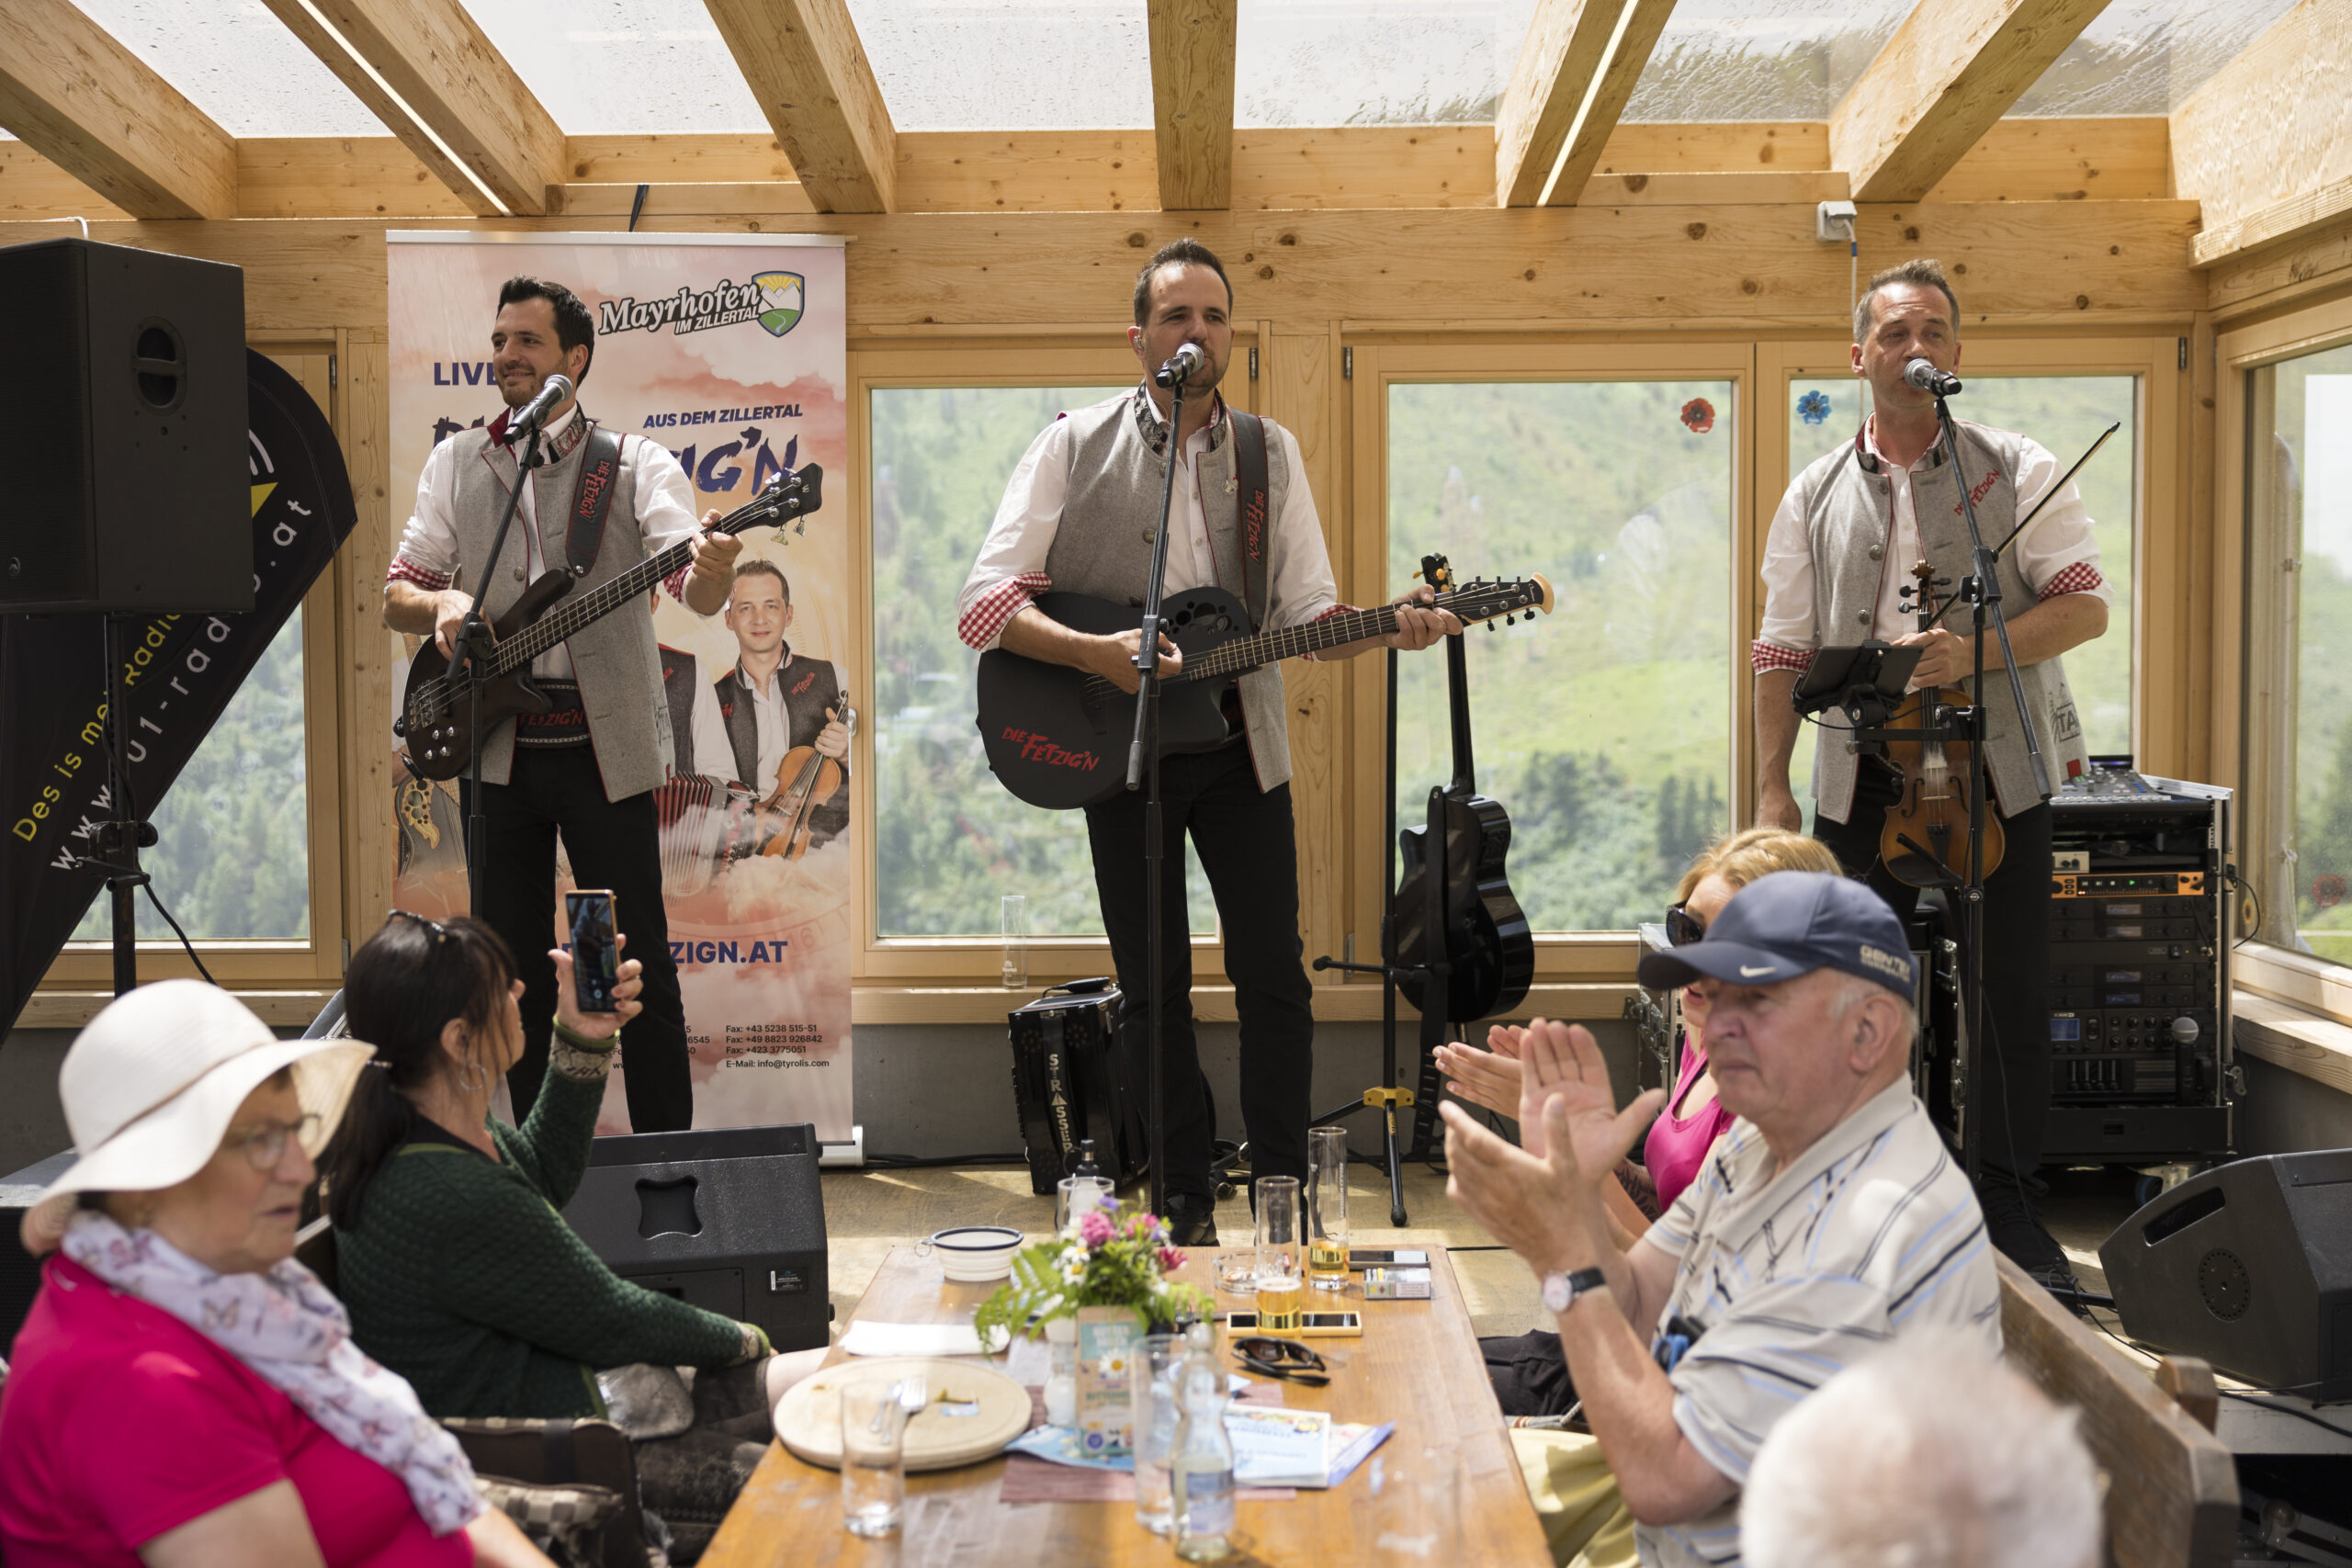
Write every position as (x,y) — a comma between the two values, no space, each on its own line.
(1605,728)
(948,840)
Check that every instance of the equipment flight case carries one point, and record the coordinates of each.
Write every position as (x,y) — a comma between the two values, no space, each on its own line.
(1068,1084)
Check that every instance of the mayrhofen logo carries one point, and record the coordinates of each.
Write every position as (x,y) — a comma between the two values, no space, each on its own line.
(774,300)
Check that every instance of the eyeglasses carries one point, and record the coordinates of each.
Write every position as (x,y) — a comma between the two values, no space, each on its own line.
(1288,1358)
(265,1145)
(1682,927)
(440,933)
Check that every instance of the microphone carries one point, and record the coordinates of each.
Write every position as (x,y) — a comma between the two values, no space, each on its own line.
(1928,378)
(1182,366)
(532,414)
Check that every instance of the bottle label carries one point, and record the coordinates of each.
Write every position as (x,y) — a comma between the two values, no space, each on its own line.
(1208,1503)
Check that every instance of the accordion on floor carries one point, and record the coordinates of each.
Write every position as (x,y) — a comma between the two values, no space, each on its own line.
(1067,1083)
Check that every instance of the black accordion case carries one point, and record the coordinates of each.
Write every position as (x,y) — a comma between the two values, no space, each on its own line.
(1069,1084)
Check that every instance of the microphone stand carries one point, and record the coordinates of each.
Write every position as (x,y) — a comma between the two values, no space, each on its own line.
(1142,772)
(472,632)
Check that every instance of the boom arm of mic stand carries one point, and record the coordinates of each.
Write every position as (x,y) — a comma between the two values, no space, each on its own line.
(1147,639)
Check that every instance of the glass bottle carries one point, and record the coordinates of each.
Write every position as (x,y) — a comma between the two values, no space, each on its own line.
(1202,1466)
(1061,1377)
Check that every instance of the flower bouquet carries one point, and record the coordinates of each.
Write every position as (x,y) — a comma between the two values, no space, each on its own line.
(1119,1257)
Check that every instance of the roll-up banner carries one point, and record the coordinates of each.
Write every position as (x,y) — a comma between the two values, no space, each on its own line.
(727,350)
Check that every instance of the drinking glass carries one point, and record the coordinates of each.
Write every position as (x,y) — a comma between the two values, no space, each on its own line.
(1237,1270)
(1075,1196)
(1013,920)
(1280,1284)
(873,1465)
(1327,1234)
(1152,1391)
(1415,1508)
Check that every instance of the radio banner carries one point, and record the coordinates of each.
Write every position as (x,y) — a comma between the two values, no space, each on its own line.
(178,675)
(730,350)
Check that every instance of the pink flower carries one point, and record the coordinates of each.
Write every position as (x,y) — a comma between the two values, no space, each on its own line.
(1171,1261)
(1094,1229)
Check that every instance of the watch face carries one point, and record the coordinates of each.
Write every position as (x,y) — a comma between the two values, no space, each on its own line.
(1556,1294)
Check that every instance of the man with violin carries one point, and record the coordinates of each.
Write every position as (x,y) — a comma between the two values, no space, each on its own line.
(588,768)
(1839,567)
(1080,514)
(776,701)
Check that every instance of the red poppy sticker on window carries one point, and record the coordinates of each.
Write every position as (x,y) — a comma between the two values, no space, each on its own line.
(1699,415)
(2327,891)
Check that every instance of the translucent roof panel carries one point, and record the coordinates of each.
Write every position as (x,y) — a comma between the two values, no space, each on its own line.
(237,62)
(619,67)
(1376,61)
(1780,59)
(1010,65)
(2147,56)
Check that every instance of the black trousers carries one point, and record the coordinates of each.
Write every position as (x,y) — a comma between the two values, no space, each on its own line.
(1248,846)
(2012,1088)
(1530,1373)
(612,843)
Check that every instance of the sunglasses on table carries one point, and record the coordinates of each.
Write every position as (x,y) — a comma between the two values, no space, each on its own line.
(1682,927)
(1288,1358)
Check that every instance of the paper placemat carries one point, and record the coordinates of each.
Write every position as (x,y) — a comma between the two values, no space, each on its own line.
(867,1337)
(1028,1480)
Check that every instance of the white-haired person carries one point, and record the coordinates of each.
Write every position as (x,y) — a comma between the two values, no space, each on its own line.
(184,1393)
(1927,1454)
(1828,1221)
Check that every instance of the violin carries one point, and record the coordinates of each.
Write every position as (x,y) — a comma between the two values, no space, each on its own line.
(1925,842)
(806,779)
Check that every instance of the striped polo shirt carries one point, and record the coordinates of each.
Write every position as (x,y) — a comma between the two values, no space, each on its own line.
(1783,1279)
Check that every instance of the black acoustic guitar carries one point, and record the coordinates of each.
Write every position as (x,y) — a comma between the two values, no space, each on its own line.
(436,710)
(1487,945)
(1058,737)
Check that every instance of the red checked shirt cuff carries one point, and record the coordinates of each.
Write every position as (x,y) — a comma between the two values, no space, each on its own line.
(2080,578)
(1334,610)
(985,621)
(408,571)
(1763,656)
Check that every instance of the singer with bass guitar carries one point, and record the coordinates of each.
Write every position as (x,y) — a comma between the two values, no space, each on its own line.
(1080,515)
(601,503)
(1841,567)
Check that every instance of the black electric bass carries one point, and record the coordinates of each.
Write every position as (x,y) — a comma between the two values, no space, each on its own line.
(1058,737)
(436,710)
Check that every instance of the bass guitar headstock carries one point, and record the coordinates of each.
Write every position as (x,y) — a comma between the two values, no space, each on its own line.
(792,495)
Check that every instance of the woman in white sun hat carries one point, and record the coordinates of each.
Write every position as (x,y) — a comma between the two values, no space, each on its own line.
(184,1391)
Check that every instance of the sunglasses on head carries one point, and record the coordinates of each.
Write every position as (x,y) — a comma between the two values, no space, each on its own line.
(440,933)
(1288,1358)
(1682,927)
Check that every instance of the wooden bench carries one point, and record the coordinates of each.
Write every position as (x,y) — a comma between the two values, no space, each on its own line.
(2172,1488)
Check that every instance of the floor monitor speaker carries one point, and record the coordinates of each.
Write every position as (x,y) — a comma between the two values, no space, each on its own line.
(122,385)
(732,1218)
(2248,1265)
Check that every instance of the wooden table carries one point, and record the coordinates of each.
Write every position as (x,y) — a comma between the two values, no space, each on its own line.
(1416,1365)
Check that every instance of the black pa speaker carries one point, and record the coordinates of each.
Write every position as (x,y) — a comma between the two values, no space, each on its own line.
(732,1218)
(122,388)
(2248,1265)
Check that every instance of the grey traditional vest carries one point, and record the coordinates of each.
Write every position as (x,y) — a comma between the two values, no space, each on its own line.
(1103,546)
(1848,508)
(615,658)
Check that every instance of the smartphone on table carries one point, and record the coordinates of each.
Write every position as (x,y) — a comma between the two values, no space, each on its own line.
(595,948)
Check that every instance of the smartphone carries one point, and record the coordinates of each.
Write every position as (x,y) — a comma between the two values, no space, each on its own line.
(595,948)
(1311,1325)
(1364,1257)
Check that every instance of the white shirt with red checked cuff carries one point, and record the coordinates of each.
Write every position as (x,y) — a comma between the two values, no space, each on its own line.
(428,548)
(2058,554)
(1010,570)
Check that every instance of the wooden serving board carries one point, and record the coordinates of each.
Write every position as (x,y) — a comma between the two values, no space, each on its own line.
(808,1423)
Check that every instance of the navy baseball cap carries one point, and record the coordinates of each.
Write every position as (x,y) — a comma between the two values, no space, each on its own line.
(1788,924)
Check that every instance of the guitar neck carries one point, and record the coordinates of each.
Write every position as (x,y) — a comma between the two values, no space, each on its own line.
(1293,642)
(1457,682)
(571,615)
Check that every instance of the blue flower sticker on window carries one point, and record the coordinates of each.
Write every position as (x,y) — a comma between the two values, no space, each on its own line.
(1813,408)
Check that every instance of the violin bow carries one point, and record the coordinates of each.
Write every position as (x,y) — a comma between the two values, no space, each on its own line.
(1953,597)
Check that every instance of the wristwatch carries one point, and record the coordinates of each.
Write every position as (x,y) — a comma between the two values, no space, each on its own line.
(1561,1290)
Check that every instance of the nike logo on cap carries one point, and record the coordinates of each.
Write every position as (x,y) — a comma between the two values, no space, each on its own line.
(1746,972)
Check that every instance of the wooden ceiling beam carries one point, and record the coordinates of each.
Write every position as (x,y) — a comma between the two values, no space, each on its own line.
(97,111)
(1574,76)
(438,82)
(804,63)
(1192,101)
(2266,144)
(1951,71)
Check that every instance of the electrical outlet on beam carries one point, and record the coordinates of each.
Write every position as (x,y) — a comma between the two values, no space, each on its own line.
(1833,222)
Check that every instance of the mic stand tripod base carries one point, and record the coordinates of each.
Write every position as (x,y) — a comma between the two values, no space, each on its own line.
(1386,1098)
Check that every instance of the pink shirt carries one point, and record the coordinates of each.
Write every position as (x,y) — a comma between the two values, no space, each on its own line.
(1678,1145)
(119,1423)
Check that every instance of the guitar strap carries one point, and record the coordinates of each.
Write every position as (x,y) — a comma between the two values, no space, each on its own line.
(583,535)
(1249,463)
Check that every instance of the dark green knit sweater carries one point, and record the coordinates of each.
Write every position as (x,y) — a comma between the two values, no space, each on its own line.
(462,1277)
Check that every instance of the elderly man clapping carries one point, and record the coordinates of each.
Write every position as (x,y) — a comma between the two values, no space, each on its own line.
(1828,1221)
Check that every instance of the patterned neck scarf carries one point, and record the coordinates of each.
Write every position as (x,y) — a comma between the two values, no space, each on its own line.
(296,1336)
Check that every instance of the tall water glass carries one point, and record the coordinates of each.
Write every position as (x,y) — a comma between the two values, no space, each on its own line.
(1281,1283)
(1154,1390)
(873,1465)
(1075,1197)
(1327,1201)
(1014,919)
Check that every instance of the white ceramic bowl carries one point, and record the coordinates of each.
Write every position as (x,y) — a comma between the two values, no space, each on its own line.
(975,1253)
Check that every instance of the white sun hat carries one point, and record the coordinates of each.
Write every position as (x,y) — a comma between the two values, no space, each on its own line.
(150,1086)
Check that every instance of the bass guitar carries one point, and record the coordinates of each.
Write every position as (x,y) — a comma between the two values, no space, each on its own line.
(1058,737)
(436,708)
(1489,948)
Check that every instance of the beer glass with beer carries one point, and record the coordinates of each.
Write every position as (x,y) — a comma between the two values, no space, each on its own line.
(1327,1205)
(1282,1286)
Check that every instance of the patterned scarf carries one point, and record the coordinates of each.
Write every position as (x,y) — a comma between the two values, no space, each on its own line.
(295,1336)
